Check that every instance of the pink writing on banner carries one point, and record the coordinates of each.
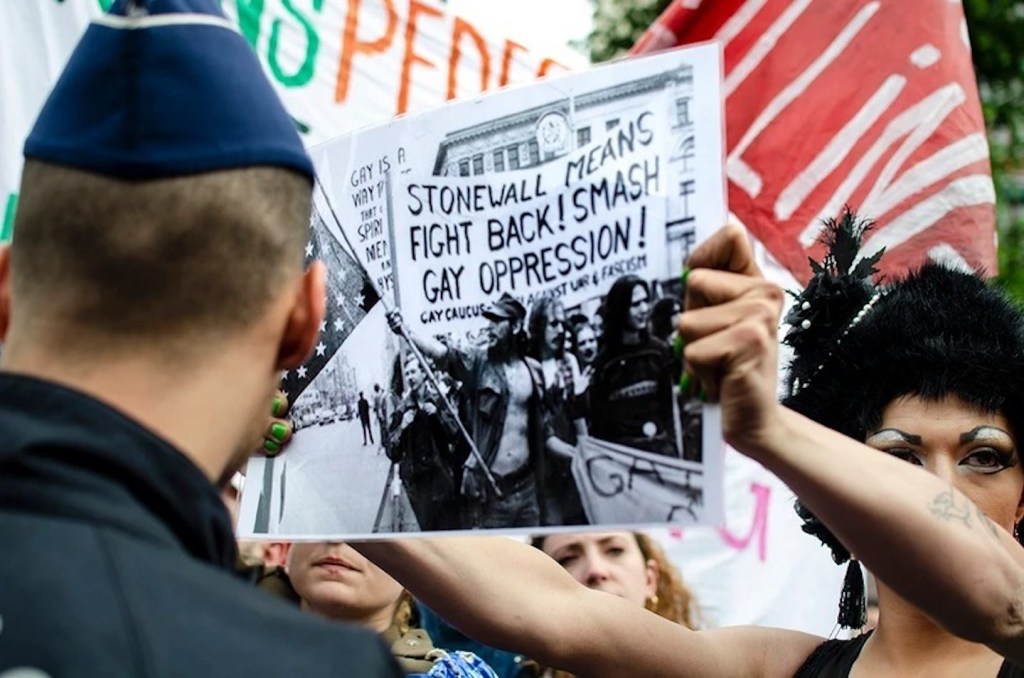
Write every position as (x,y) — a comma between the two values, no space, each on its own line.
(758,531)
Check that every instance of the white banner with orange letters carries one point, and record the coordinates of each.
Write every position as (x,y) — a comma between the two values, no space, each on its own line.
(338,65)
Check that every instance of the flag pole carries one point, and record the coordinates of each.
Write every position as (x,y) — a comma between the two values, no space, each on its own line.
(404,333)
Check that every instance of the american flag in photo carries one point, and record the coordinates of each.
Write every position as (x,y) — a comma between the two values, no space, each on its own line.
(350,296)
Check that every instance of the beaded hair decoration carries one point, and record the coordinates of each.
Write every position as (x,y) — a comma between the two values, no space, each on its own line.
(838,297)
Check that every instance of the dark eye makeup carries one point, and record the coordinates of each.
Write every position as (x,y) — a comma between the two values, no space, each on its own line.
(990,459)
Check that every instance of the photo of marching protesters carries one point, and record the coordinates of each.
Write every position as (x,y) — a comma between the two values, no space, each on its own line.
(502,296)
(530,407)
(505,427)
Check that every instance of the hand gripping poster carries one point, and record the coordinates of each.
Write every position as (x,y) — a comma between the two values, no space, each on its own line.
(503,280)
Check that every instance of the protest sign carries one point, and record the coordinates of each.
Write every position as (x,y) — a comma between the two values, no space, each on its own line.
(525,248)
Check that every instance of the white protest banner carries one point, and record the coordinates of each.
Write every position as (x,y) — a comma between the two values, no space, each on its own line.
(623,485)
(337,65)
(480,409)
(568,228)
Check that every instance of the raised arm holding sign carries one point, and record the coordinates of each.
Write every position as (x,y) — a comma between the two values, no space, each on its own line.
(942,407)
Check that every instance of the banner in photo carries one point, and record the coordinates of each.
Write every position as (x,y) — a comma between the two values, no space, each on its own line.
(621,485)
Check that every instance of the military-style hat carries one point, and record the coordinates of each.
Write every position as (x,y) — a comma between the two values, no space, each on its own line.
(506,307)
(164,88)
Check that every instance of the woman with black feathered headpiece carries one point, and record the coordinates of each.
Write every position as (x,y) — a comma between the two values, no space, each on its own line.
(930,370)
(927,370)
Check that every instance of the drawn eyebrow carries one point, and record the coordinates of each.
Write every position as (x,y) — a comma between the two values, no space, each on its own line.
(981,431)
(887,434)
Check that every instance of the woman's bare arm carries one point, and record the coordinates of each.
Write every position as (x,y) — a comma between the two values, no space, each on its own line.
(917,534)
(510,595)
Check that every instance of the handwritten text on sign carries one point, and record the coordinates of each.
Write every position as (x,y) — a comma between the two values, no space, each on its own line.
(622,485)
(567,229)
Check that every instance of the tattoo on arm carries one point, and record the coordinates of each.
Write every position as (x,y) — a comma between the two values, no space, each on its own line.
(946,506)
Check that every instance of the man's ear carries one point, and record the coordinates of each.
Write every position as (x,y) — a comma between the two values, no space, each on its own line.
(5,290)
(304,318)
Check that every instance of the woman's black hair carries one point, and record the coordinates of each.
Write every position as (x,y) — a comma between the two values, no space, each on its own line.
(616,309)
(661,317)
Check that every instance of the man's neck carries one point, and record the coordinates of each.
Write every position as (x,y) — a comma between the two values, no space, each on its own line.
(207,411)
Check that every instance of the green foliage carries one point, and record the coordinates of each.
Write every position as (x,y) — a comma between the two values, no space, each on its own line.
(618,24)
(996,28)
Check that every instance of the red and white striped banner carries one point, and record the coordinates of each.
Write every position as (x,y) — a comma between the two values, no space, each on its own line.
(868,103)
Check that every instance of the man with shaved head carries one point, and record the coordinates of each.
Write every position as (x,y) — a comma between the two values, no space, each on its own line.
(153,293)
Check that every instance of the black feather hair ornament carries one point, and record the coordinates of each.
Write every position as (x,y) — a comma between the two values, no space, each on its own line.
(838,296)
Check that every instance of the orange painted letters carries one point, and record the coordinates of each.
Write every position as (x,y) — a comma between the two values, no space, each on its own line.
(461,28)
(351,45)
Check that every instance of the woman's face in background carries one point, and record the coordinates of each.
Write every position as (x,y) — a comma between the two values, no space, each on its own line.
(336,581)
(639,309)
(606,561)
(586,344)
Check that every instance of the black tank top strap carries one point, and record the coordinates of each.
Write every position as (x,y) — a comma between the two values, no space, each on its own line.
(832,659)
(835,659)
(1010,670)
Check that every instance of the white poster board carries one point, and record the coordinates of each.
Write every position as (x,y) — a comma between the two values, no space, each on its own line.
(483,225)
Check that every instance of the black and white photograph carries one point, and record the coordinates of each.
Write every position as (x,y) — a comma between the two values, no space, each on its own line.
(499,349)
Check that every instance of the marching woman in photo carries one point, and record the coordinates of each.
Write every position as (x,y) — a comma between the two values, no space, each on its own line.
(564,410)
(916,472)
(631,388)
(419,441)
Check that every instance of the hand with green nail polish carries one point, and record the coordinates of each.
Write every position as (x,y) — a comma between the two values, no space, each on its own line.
(279,430)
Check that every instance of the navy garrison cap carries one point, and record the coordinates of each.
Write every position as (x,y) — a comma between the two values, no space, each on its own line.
(164,88)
